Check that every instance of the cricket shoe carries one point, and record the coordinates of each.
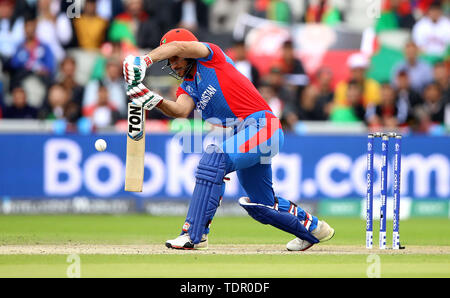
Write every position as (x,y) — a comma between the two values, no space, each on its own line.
(184,242)
(323,233)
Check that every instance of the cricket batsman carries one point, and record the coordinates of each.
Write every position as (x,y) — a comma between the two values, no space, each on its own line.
(223,96)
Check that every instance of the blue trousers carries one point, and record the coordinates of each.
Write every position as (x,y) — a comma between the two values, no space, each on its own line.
(250,150)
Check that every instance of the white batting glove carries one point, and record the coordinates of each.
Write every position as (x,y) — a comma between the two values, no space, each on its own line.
(141,96)
(134,68)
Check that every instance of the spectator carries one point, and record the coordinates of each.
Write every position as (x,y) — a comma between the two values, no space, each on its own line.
(225,14)
(289,120)
(403,13)
(67,79)
(325,90)
(1,93)
(358,64)
(90,29)
(275,78)
(275,104)
(102,112)
(292,67)
(396,14)
(53,28)
(420,73)
(422,6)
(58,106)
(32,57)
(191,14)
(353,110)
(149,31)
(12,32)
(259,8)
(109,50)
(406,95)
(275,10)
(390,112)
(309,108)
(57,101)
(108,9)
(135,27)
(241,62)
(442,77)
(22,7)
(162,11)
(320,11)
(432,32)
(20,108)
(115,84)
(446,7)
(432,110)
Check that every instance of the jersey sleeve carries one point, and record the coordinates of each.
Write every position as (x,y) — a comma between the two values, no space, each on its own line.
(216,55)
(180,91)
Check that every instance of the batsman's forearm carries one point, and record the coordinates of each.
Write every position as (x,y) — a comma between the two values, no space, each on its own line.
(183,49)
(172,109)
(164,52)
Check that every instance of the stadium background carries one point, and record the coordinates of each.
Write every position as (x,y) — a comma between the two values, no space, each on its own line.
(55,104)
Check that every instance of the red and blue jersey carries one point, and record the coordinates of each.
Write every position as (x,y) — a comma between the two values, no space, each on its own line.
(222,94)
(226,97)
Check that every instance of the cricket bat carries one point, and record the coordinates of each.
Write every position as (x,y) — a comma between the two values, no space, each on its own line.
(134,168)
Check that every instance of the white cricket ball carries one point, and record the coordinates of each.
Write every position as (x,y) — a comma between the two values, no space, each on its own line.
(100,145)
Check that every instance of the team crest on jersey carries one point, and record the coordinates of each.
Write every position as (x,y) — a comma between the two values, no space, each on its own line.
(189,89)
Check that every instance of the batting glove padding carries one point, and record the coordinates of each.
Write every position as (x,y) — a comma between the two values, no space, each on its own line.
(134,68)
(141,96)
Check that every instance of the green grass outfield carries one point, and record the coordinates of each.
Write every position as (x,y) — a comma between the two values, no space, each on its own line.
(427,250)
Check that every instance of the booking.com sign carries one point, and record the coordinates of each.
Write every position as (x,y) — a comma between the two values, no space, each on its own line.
(306,168)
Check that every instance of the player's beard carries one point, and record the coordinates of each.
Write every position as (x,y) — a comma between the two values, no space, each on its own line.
(187,70)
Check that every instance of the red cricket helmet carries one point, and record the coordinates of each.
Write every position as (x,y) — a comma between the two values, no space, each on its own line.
(178,34)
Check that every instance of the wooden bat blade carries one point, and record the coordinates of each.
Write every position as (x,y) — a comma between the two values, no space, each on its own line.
(134,168)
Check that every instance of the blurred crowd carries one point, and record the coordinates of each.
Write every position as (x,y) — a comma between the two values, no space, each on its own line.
(44,43)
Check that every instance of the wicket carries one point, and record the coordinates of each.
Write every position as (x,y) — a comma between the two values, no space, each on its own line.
(385,137)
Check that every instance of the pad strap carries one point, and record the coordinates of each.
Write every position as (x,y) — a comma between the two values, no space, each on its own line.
(208,192)
(293,209)
(282,220)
